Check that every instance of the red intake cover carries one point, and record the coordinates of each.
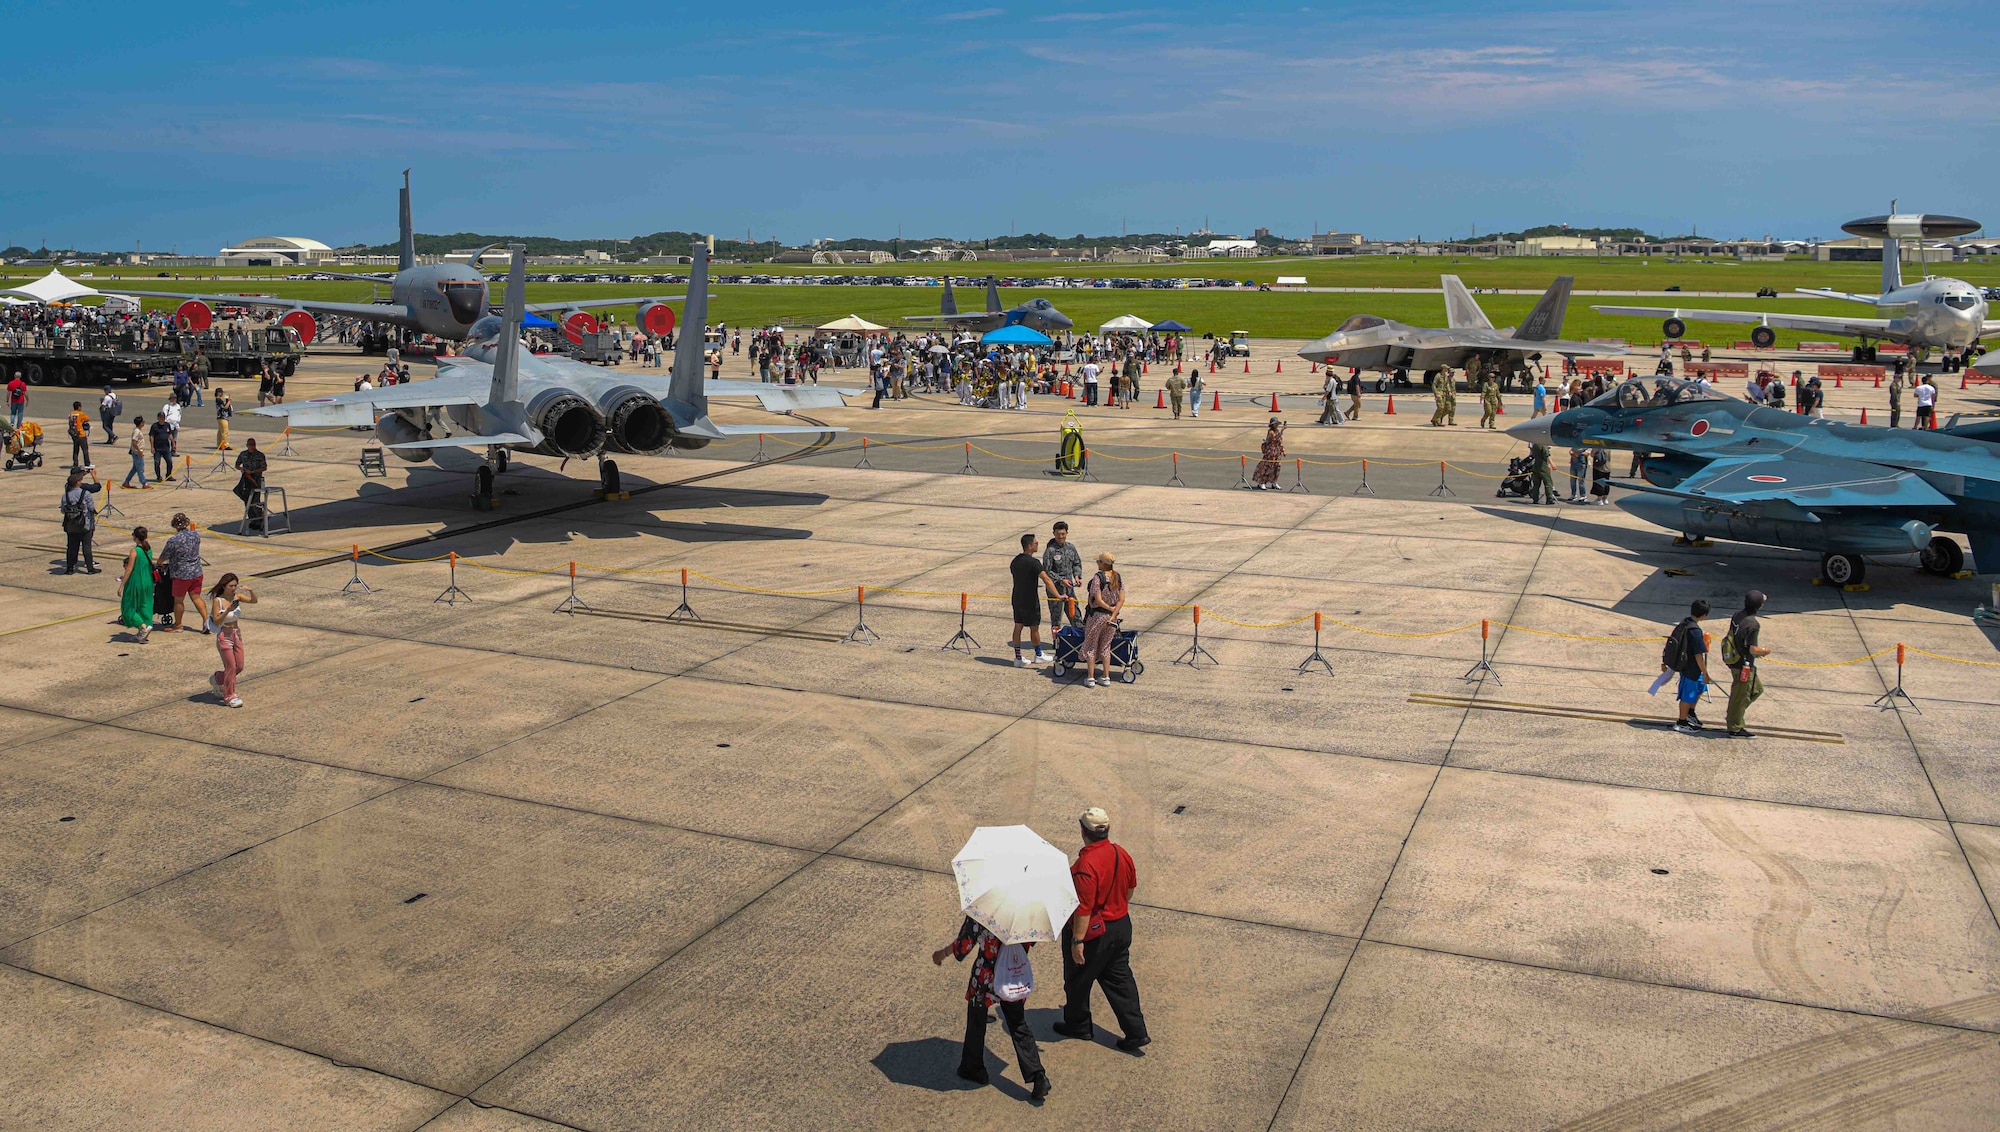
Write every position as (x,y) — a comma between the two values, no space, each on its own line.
(657,319)
(194,315)
(578,324)
(303,322)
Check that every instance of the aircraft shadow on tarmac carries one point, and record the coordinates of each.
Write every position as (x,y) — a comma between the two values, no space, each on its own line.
(1662,598)
(442,495)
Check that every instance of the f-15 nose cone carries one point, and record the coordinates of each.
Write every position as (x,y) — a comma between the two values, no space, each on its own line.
(1535,431)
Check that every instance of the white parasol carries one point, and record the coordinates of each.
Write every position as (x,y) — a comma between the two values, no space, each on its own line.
(1014,884)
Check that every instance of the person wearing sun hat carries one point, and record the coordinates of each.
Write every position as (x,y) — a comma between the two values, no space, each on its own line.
(1097,943)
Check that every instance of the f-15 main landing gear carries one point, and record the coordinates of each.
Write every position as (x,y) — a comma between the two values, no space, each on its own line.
(1942,557)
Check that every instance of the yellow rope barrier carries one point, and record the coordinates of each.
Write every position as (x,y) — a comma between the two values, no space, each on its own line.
(1403,636)
(1254,625)
(1830,663)
(1578,636)
(1938,656)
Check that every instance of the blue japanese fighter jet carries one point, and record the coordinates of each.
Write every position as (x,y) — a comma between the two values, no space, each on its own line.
(1717,467)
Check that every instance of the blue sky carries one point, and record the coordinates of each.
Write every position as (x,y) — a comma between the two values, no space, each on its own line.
(201,125)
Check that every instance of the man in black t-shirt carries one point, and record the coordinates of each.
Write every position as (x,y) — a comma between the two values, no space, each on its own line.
(1686,655)
(1031,582)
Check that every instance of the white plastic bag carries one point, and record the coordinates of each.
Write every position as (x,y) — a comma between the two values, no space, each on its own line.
(1013,975)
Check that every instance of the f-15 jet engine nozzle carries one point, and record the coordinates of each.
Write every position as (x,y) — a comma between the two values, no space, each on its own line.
(570,425)
(639,423)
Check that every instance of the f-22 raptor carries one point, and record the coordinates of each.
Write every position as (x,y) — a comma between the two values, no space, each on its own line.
(1370,342)
(1717,467)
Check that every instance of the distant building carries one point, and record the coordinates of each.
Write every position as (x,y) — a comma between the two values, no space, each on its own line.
(275,251)
(1335,243)
(1232,249)
(1556,245)
(1262,234)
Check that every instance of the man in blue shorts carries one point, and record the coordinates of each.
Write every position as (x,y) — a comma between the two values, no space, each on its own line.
(1686,653)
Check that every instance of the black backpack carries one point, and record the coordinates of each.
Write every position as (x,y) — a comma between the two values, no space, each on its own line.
(1675,654)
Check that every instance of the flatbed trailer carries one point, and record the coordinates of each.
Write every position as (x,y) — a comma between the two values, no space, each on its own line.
(92,359)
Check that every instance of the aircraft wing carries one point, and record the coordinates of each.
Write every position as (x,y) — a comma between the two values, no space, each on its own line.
(1818,323)
(457,388)
(1823,293)
(1793,486)
(1494,340)
(968,317)
(1989,328)
(782,398)
(376,311)
(588,304)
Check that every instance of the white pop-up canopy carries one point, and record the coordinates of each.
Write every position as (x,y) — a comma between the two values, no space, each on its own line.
(55,287)
(851,322)
(1127,323)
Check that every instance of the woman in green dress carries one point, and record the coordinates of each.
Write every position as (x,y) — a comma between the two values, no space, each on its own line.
(135,587)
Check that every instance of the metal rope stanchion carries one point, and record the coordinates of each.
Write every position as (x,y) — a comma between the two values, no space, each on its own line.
(1195,653)
(1298,478)
(861,633)
(452,595)
(1889,698)
(1442,488)
(188,480)
(1242,468)
(1484,665)
(962,640)
(1084,467)
(1317,657)
(109,507)
(684,611)
(286,448)
(1363,485)
(354,584)
(572,603)
(759,457)
(863,463)
(968,469)
(1177,481)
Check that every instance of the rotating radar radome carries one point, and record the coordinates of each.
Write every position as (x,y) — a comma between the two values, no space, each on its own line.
(1912,226)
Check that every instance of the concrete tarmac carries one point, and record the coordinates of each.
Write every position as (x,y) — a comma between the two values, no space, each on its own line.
(486,865)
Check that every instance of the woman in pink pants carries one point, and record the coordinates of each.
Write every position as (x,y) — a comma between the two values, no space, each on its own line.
(230,597)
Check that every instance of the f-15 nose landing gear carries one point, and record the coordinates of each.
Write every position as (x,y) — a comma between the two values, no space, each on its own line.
(609,485)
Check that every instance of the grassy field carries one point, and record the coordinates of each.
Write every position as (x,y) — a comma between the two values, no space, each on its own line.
(1273,314)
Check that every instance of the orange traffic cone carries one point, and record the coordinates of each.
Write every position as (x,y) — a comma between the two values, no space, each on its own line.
(1246,365)
(1281,367)
(1274,402)
(1864,416)
(1145,367)
(1836,381)
(1391,410)
(1162,402)
(1217,407)
(1211,366)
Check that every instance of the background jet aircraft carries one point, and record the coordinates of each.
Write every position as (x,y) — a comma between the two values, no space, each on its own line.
(1036,314)
(500,397)
(1946,313)
(1367,341)
(1724,468)
(443,299)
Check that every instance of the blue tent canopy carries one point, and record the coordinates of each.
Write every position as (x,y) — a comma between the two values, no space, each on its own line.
(1017,335)
(532,321)
(1173,326)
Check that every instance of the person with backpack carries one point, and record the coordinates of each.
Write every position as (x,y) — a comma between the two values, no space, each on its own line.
(1740,651)
(108,409)
(79,518)
(79,436)
(980,993)
(1686,654)
(1097,942)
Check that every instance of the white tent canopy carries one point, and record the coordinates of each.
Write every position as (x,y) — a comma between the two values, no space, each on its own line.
(1126,323)
(851,322)
(55,287)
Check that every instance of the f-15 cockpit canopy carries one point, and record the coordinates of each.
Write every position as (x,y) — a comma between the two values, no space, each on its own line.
(1640,393)
(1359,322)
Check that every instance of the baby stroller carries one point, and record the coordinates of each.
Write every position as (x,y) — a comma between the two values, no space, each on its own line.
(1520,478)
(24,446)
(1124,651)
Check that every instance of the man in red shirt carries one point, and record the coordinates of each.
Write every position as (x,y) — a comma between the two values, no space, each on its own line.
(1097,942)
(17,400)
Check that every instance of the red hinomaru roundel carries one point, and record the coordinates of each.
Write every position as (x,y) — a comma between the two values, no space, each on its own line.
(1699,427)
(1767,479)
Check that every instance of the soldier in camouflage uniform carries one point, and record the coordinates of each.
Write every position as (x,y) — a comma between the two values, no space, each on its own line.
(1489,403)
(1437,397)
(1450,403)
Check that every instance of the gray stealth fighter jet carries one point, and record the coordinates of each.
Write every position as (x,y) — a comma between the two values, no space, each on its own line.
(1370,342)
(500,397)
(1718,467)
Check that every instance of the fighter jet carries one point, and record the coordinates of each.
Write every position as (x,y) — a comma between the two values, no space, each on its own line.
(1716,467)
(1370,342)
(444,299)
(1940,312)
(500,397)
(1036,314)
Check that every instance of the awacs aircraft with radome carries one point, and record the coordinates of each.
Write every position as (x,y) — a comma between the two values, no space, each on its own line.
(500,397)
(1717,467)
(442,299)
